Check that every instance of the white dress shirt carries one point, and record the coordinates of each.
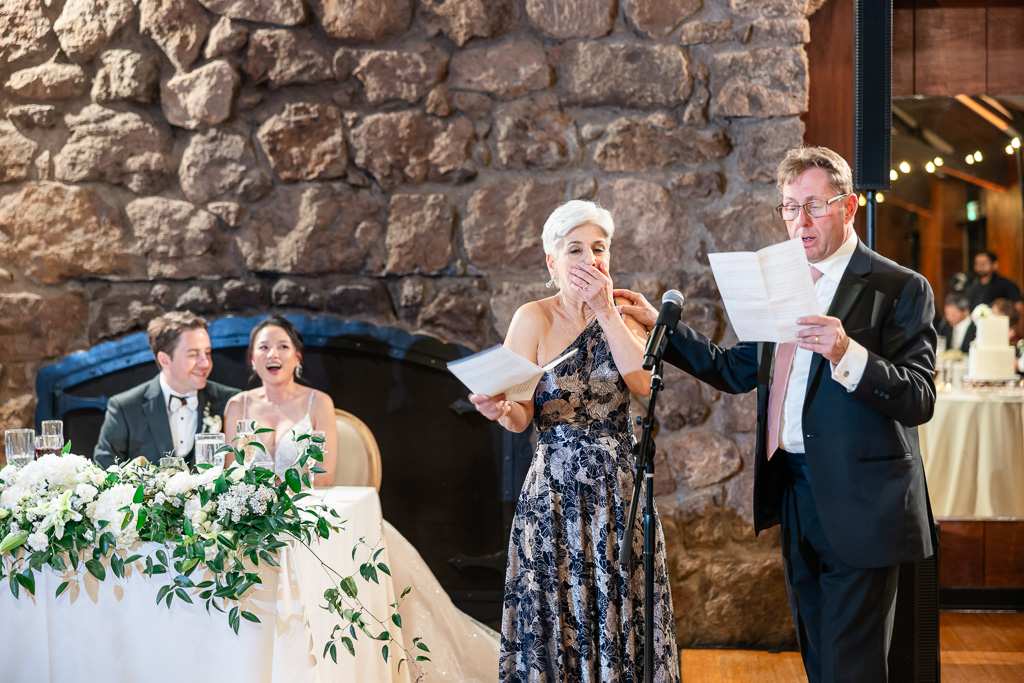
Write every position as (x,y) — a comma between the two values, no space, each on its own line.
(848,371)
(183,420)
(960,331)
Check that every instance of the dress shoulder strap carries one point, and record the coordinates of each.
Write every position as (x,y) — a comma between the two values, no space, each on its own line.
(309,406)
(245,405)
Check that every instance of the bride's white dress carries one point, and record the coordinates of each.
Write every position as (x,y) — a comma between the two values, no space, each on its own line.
(461,648)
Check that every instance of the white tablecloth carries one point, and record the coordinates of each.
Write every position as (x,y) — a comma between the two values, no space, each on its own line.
(113,631)
(973,451)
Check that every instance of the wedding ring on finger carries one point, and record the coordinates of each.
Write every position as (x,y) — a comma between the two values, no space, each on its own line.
(586,288)
(815,340)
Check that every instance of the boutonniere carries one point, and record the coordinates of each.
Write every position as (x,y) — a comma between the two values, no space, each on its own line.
(211,423)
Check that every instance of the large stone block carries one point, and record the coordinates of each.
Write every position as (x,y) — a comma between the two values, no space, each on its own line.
(119,314)
(634,76)
(759,83)
(54,232)
(635,144)
(419,236)
(508,70)
(645,215)
(179,27)
(410,146)
(34,116)
(178,240)
(26,38)
(681,403)
(502,228)
(311,229)
(565,19)
(201,97)
(48,82)
(287,56)
(462,20)
(363,21)
(747,223)
(33,326)
(457,313)
(306,141)
(85,27)
(16,153)
(528,135)
(116,147)
(658,18)
(406,74)
(360,300)
(214,162)
(288,293)
(280,12)
(225,37)
(763,146)
(706,32)
(125,75)
(702,457)
(508,297)
(17,413)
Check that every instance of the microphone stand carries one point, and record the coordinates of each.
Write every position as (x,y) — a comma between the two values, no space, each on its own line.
(645,464)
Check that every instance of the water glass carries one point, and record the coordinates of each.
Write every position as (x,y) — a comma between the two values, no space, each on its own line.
(47,444)
(173,462)
(20,446)
(207,445)
(54,428)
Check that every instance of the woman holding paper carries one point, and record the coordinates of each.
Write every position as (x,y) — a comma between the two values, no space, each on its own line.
(572,612)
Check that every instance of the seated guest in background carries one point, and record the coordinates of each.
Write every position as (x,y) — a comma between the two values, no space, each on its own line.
(163,415)
(956,327)
(989,285)
(572,612)
(461,649)
(280,402)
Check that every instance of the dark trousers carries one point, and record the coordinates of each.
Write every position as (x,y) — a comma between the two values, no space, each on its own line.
(843,614)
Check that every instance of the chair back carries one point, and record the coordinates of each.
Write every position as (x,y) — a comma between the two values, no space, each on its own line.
(358,457)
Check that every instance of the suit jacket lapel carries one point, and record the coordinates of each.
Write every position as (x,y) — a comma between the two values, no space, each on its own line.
(851,286)
(156,415)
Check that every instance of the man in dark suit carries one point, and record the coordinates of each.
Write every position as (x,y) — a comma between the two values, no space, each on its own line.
(956,327)
(989,285)
(163,415)
(838,462)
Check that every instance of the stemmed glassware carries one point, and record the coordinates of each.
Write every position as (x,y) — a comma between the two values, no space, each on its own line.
(20,446)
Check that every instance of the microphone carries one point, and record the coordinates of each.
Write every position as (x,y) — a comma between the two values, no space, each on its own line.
(668,318)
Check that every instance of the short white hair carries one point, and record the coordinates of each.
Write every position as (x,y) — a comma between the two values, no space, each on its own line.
(571,215)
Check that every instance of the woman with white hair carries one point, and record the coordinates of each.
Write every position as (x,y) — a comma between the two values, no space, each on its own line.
(572,612)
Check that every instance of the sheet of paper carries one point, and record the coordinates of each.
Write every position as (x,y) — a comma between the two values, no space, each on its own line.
(498,370)
(766,291)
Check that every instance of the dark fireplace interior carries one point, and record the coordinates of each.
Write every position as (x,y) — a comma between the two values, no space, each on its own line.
(450,477)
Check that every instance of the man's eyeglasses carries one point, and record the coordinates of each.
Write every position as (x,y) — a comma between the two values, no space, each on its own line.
(815,209)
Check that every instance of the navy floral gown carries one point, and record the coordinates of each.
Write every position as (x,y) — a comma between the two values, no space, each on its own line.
(571,613)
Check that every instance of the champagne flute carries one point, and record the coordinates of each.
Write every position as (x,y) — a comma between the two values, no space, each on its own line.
(20,446)
(246,433)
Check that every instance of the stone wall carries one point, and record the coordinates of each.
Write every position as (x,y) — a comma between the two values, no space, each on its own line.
(393,161)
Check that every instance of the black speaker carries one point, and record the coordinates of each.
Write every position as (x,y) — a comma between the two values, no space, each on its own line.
(914,651)
(872,84)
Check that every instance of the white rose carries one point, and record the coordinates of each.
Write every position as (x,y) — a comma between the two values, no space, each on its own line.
(38,541)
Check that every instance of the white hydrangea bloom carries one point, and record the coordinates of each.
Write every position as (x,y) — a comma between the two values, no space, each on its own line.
(107,506)
(38,541)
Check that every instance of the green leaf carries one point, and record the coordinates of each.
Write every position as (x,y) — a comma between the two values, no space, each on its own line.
(291,478)
(348,585)
(143,515)
(67,448)
(423,646)
(384,652)
(249,616)
(140,495)
(421,658)
(347,642)
(61,588)
(384,568)
(368,572)
(28,580)
(397,618)
(96,568)
(162,593)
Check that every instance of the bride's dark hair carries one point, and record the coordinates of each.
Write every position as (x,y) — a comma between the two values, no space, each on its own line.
(289,329)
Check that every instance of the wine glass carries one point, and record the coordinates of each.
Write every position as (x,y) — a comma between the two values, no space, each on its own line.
(207,445)
(47,444)
(20,445)
(54,428)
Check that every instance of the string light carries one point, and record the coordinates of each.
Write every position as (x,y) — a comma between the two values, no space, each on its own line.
(1009,149)
(969,159)
(977,156)
(861,200)
(930,167)
(938,161)
(893,175)
(1015,143)
(879,197)
(904,167)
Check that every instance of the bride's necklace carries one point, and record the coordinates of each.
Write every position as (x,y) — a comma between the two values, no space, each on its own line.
(286,397)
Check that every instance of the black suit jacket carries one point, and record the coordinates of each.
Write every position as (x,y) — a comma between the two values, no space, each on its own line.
(136,422)
(946,330)
(863,455)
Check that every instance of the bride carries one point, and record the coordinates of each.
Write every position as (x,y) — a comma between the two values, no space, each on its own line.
(461,649)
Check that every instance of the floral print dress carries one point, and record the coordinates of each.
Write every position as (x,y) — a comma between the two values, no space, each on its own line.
(571,612)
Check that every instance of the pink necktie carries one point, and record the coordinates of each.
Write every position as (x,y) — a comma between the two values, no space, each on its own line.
(780,380)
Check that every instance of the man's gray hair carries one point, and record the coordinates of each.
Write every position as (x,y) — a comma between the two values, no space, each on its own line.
(571,215)
(796,161)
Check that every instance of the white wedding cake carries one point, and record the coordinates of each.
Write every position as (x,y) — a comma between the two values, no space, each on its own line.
(991,358)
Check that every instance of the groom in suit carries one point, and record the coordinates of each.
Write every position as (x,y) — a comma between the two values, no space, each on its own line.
(163,415)
(838,462)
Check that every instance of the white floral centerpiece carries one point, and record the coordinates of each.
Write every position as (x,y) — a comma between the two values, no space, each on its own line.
(981,311)
(64,512)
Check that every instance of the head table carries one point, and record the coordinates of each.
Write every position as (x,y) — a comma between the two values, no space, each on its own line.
(114,631)
(973,451)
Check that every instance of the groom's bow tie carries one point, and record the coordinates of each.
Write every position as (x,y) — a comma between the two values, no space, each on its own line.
(175,402)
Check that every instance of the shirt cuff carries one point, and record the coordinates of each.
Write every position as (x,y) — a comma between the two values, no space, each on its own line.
(850,369)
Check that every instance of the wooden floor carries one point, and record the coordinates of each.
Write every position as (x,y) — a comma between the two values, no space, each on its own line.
(974,647)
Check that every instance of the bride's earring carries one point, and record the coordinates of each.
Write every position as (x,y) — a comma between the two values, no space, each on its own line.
(298,371)
(550,283)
